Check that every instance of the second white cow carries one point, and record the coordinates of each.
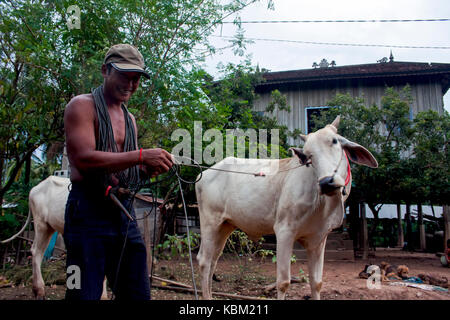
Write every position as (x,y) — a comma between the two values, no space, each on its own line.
(47,204)
(295,203)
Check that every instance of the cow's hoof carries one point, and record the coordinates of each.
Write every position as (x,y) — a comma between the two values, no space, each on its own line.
(39,294)
(270,287)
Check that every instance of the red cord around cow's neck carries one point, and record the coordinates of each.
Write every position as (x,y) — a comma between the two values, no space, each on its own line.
(349,171)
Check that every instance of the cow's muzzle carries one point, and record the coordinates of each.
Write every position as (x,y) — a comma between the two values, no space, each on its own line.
(329,184)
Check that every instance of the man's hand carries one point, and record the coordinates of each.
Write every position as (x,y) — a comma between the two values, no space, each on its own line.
(157,161)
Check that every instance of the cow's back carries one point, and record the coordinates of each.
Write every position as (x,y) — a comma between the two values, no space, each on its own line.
(47,201)
(247,201)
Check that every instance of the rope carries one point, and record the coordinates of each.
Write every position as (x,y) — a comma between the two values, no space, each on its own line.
(188,236)
(105,141)
(349,171)
(155,204)
(256,174)
(175,170)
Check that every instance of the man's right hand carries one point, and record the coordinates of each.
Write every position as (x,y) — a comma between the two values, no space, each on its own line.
(157,161)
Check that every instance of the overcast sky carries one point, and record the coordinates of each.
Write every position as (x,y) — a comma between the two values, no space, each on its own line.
(279,56)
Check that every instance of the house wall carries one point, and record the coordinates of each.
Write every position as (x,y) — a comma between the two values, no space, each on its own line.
(426,94)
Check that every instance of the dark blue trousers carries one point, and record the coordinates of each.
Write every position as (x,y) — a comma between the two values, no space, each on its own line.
(94,234)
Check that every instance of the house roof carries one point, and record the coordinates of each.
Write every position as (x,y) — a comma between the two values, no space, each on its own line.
(373,70)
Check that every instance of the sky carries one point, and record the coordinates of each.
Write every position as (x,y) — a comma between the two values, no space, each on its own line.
(279,56)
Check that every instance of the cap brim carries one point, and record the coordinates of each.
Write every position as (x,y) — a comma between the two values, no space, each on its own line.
(126,67)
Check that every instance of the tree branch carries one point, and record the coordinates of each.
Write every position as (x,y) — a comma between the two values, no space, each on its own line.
(12,178)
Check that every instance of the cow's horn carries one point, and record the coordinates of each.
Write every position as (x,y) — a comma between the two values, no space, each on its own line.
(336,121)
(303,137)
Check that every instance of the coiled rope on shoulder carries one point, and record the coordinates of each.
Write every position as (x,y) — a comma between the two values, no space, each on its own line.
(128,178)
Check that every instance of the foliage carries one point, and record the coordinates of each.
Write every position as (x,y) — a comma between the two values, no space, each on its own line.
(302,276)
(264,253)
(278,102)
(387,132)
(412,155)
(239,244)
(430,163)
(33,91)
(293,259)
(178,245)
(227,106)
(235,93)
(44,63)
(53,272)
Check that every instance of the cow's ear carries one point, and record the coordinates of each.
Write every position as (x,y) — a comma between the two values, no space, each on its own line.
(358,154)
(299,153)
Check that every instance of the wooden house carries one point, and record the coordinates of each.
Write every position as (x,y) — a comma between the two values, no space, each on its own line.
(309,90)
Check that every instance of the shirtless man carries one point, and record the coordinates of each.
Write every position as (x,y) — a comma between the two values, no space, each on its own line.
(101,139)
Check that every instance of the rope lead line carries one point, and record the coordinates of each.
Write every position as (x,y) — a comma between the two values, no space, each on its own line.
(189,237)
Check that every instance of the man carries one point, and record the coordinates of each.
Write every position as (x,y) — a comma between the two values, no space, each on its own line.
(101,140)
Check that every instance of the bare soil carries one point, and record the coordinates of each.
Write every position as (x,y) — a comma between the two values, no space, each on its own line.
(248,277)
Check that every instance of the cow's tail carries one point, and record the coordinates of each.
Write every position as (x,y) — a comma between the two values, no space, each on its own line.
(21,230)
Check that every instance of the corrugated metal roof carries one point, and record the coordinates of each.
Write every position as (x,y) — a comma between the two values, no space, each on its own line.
(392,69)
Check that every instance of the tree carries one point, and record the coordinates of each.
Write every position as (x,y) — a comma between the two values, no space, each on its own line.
(386,130)
(430,164)
(31,102)
(44,63)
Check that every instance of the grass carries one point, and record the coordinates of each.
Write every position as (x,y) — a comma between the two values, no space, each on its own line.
(53,272)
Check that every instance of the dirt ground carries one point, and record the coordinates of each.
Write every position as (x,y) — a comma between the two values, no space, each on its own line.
(239,275)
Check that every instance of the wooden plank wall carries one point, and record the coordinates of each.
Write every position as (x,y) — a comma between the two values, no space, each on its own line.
(426,95)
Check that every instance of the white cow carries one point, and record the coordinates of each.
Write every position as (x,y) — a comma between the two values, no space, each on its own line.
(295,203)
(47,203)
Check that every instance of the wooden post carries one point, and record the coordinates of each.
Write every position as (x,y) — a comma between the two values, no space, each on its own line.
(364,232)
(409,235)
(401,238)
(5,255)
(421,227)
(147,239)
(446,216)
(65,160)
(19,247)
(354,226)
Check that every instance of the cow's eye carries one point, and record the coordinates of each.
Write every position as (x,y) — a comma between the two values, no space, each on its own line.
(334,140)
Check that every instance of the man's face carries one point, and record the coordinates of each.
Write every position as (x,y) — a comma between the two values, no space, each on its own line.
(120,85)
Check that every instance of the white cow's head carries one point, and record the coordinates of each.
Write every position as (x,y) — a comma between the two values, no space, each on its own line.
(324,150)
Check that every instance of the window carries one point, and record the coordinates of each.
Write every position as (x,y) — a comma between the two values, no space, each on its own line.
(309,111)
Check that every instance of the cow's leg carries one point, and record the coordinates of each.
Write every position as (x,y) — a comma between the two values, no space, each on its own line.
(212,243)
(285,241)
(43,233)
(315,265)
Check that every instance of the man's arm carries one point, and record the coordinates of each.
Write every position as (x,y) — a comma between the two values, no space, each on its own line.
(151,172)
(79,125)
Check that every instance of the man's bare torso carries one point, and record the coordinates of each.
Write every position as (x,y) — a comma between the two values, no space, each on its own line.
(86,105)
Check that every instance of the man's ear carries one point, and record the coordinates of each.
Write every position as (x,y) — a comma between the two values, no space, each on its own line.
(299,153)
(104,70)
(358,154)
